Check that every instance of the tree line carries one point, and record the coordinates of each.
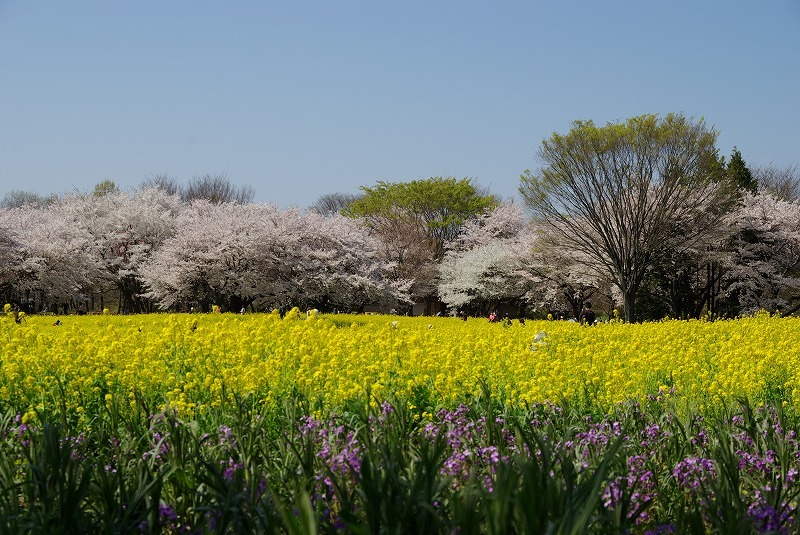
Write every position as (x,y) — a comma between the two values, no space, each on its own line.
(642,216)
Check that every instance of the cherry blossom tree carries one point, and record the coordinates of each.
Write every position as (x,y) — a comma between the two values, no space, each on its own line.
(48,263)
(122,231)
(341,266)
(765,273)
(504,221)
(223,254)
(502,257)
(484,274)
(240,255)
(481,268)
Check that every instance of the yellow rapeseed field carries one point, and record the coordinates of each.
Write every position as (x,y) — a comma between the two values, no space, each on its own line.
(198,362)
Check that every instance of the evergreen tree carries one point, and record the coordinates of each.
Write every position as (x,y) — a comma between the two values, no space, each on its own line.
(739,174)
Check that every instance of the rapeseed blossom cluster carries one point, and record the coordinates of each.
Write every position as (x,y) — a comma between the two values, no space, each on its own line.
(196,363)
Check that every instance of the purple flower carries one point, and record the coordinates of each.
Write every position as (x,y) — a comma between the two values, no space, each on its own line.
(791,476)
(225,434)
(640,486)
(693,472)
(231,468)
(701,439)
(766,519)
(169,518)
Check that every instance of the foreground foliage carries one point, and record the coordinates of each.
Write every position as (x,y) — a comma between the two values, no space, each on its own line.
(474,469)
(232,424)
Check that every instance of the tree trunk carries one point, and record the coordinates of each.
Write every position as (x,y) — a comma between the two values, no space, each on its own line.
(628,302)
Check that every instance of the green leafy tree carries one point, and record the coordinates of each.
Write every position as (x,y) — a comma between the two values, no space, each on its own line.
(623,193)
(105,187)
(416,221)
(437,206)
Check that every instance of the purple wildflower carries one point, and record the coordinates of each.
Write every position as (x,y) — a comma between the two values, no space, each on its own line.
(694,472)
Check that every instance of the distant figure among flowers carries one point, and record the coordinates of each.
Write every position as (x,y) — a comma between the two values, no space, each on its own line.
(587,315)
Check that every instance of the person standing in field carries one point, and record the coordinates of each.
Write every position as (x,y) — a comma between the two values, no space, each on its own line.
(587,315)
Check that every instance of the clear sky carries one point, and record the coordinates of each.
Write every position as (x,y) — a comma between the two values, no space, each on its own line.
(301,98)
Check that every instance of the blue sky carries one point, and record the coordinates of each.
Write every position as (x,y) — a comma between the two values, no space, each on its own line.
(302,98)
